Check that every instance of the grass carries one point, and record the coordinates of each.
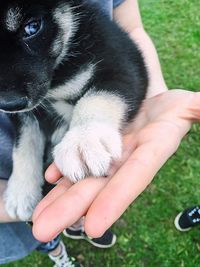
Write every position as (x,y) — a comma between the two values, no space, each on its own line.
(146,234)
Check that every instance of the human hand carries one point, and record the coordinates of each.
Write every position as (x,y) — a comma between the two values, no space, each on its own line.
(148,142)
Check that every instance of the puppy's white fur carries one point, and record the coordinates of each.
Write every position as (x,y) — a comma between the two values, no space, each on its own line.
(92,142)
(64,109)
(99,106)
(74,86)
(13,18)
(58,134)
(88,150)
(68,26)
(24,185)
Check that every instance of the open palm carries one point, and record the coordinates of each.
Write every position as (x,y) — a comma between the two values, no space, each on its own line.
(148,142)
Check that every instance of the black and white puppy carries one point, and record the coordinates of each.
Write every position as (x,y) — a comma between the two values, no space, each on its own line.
(70,79)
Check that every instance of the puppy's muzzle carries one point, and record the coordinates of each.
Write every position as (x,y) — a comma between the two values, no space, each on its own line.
(13,103)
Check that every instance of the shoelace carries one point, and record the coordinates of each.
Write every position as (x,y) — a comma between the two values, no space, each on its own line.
(195,215)
(63,260)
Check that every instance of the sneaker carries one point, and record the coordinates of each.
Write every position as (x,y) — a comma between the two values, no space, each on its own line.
(187,219)
(63,260)
(106,241)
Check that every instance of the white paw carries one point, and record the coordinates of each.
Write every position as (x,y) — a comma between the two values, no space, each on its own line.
(20,202)
(88,150)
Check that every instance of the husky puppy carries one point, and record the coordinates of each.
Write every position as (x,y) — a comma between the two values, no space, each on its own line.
(70,79)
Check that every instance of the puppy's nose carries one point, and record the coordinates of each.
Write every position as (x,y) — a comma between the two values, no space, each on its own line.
(13,104)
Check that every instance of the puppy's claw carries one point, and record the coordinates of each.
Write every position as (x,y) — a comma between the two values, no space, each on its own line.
(88,151)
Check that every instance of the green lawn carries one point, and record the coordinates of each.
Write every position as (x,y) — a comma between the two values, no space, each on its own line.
(146,234)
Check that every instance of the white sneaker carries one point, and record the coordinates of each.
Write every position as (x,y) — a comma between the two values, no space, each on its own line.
(63,260)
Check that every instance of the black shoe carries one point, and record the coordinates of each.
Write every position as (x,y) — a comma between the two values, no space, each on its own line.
(106,241)
(187,219)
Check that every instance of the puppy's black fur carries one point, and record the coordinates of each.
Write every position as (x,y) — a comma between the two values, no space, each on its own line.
(46,48)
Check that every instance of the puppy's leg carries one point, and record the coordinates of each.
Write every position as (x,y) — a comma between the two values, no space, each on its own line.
(93,140)
(24,185)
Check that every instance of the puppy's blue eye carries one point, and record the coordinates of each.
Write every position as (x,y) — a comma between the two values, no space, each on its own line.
(32,28)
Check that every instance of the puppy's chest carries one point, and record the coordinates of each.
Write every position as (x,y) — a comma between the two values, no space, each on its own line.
(54,120)
(63,110)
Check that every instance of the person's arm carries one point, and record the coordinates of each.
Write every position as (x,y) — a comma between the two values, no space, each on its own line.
(128,17)
(4,218)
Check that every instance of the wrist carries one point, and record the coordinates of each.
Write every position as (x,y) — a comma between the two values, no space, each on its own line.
(156,89)
(157,83)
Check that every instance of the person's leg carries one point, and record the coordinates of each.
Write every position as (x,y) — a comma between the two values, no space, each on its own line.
(187,219)
(76,231)
(56,251)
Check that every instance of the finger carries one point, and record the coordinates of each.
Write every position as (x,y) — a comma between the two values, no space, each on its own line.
(67,208)
(130,180)
(129,145)
(56,192)
(52,174)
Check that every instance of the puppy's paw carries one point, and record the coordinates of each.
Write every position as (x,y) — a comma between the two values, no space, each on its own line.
(88,150)
(21,202)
